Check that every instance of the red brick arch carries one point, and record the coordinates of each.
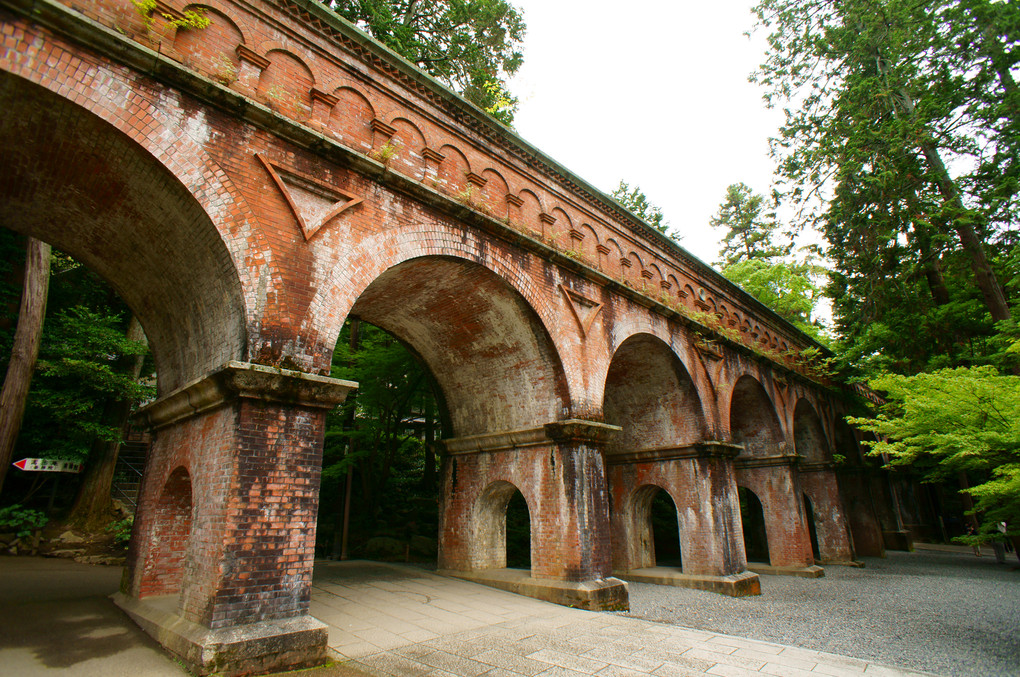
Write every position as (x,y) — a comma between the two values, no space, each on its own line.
(161,227)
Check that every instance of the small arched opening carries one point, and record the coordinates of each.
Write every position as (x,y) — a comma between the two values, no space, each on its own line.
(752,515)
(812,530)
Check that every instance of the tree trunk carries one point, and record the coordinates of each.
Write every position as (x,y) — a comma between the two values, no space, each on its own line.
(27,338)
(903,106)
(93,504)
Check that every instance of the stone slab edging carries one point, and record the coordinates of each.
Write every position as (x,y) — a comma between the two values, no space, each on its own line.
(236,380)
(603,594)
(813,571)
(744,584)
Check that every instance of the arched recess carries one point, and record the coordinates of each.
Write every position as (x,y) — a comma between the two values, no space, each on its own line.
(168,544)
(809,438)
(753,420)
(650,394)
(286,84)
(657,529)
(490,522)
(752,516)
(72,179)
(213,49)
(488,350)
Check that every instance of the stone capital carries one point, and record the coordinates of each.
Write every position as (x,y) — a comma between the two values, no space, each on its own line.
(244,380)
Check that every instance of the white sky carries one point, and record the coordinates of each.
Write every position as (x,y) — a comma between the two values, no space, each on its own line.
(651,92)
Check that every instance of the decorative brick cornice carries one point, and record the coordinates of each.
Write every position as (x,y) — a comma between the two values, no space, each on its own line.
(548,219)
(513,200)
(476,180)
(383,128)
(435,156)
(319,95)
(251,56)
(602,249)
(243,380)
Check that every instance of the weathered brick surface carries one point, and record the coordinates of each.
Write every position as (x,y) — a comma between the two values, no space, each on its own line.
(248,187)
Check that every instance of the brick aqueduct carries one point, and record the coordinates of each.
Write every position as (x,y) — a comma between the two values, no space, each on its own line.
(248,186)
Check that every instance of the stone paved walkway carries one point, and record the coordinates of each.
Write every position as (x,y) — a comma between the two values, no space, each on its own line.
(402,621)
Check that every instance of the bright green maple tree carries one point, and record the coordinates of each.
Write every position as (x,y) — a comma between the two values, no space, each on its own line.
(952,421)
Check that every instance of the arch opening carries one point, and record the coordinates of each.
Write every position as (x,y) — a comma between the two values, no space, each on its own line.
(752,516)
(485,365)
(753,420)
(650,394)
(809,515)
(73,180)
(809,438)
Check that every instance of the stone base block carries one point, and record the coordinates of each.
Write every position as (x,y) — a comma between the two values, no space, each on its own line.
(605,594)
(735,585)
(898,540)
(256,648)
(812,571)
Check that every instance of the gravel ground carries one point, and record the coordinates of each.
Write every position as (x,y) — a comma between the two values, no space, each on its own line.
(948,613)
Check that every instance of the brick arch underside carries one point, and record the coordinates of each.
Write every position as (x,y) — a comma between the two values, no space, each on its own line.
(488,350)
(71,179)
(808,436)
(652,397)
(753,419)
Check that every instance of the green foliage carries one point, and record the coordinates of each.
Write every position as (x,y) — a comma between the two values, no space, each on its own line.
(380,436)
(471,46)
(750,230)
(784,287)
(951,421)
(75,377)
(901,145)
(635,200)
(121,529)
(22,521)
(190,19)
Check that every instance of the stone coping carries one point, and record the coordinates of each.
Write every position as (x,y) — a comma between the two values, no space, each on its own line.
(568,430)
(710,449)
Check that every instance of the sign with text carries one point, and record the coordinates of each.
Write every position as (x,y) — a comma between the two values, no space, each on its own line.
(46,465)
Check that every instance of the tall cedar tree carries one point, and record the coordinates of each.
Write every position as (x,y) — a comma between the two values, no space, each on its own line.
(635,200)
(471,46)
(900,143)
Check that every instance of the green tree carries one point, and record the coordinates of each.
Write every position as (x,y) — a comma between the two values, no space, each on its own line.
(953,421)
(471,46)
(751,257)
(783,286)
(750,229)
(635,201)
(382,435)
(900,144)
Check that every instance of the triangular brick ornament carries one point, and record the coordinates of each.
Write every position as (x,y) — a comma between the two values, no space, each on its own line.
(584,309)
(314,203)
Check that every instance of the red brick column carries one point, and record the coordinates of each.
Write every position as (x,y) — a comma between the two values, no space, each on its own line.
(774,480)
(819,483)
(559,470)
(243,447)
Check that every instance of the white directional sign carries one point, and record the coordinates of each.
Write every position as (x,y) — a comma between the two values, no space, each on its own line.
(46,465)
